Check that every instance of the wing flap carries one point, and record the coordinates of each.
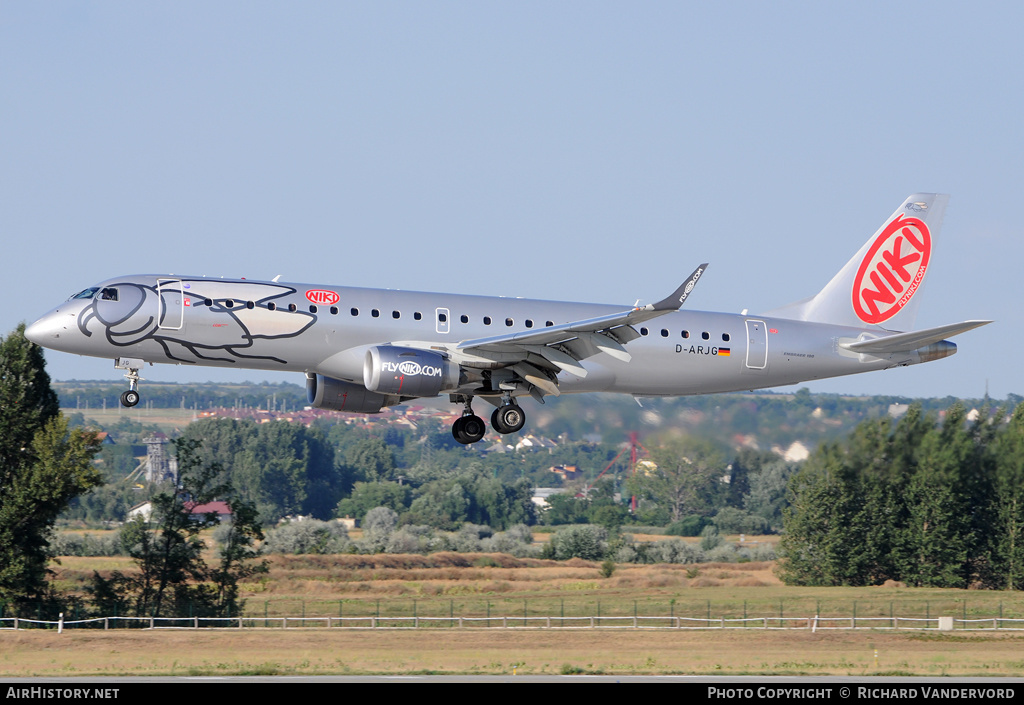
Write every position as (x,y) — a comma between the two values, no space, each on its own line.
(536,356)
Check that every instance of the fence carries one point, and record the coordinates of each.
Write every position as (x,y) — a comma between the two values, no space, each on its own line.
(813,623)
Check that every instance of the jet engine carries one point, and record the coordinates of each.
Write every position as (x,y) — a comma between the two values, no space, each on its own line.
(337,395)
(407,371)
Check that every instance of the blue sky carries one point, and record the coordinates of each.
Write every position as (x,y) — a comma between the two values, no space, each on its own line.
(589,151)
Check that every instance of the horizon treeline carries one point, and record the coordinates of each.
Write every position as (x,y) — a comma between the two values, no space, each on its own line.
(920,501)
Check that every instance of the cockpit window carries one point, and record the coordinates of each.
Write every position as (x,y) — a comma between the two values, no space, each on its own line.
(86,294)
(108,294)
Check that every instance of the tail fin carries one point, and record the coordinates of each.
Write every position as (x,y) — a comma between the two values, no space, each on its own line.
(881,285)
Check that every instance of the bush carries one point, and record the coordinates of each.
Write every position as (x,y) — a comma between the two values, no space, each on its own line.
(672,551)
(378,525)
(760,552)
(86,545)
(731,520)
(710,538)
(723,553)
(585,541)
(517,541)
(687,526)
(307,536)
(405,540)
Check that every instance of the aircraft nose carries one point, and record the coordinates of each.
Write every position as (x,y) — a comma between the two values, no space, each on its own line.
(46,330)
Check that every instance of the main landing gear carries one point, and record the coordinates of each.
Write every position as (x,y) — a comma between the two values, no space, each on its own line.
(508,418)
(470,428)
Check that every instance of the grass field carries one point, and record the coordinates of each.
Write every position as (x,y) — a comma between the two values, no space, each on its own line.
(449,584)
(167,419)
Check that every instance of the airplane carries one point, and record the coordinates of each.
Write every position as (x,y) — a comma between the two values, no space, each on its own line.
(366,349)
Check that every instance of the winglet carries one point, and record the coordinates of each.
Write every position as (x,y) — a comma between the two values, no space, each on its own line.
(678,297)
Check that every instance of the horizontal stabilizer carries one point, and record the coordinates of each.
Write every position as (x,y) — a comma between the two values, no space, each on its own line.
(906,342)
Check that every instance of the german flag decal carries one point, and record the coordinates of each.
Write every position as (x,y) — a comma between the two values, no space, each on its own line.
(723,352)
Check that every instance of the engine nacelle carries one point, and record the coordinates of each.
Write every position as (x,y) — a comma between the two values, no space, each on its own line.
(408,371)
(336,395)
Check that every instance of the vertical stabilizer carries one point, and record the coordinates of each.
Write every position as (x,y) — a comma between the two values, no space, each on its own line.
(882,284)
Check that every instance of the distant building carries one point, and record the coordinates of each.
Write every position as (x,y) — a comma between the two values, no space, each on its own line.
(532,442)
(221,509)
(160,466)
(566,472)
(541,494)
(143,510)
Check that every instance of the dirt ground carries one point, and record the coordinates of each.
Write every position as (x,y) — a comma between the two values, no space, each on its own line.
(626,651)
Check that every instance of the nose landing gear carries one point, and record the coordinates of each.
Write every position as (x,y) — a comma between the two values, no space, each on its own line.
(131,397)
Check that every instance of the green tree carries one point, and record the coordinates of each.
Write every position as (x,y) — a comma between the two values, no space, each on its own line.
(938,538)
(767,495)
(1006,539)
(43,466)
(288,469)
(822,542)
(372,460)
(173,578)
(684,476)
(367,495)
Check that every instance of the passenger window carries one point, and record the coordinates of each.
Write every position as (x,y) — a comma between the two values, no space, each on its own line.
(509,322)
(229,303)
(725,337)
(442,317)
(334,310)
(270,307)
(250,304)
(464,318)
(487,320)
(355,312)
(292,307)
(312,308)
(549,324)
(209,302)
(643,331)
(396,314)
(529,323)
(705,335)
(664,332)
(418,316)
(686,334)
(375,313)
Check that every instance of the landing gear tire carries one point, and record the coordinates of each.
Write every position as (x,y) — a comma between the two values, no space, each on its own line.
(508,418)
(469,429)
(130,398)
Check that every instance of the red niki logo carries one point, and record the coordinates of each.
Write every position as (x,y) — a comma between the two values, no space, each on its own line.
(322,296)
(892,270)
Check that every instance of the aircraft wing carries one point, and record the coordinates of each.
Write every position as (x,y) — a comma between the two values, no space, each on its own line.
(537,355)
(906,342)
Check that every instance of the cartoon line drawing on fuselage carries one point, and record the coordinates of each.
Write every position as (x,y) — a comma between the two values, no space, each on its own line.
(123,313)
